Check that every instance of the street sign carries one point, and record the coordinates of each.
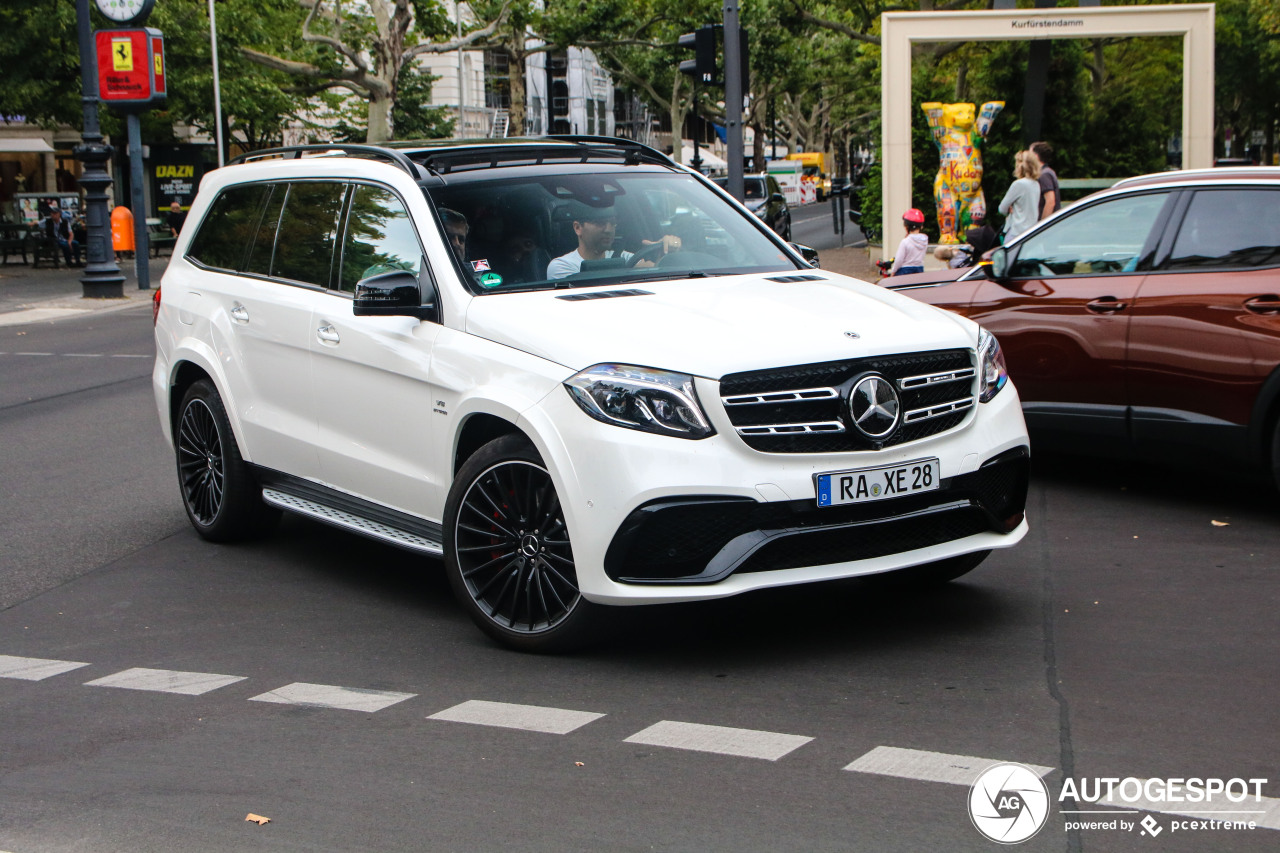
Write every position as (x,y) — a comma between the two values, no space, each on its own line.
(131,72)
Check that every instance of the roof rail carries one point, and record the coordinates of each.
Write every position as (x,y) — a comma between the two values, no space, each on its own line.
(492,153)
(295,152)
(611,140)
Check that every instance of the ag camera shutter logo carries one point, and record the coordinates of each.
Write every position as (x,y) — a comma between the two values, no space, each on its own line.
(1008,803)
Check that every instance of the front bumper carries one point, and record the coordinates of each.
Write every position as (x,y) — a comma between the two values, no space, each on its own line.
(608,477)
(703,540)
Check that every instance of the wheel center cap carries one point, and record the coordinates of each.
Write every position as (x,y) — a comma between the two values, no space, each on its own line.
(529,545)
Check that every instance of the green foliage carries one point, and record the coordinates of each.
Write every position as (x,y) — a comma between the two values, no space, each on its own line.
(41,59)
(413,116)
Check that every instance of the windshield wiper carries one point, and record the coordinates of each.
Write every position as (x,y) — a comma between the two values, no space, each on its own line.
(670,276)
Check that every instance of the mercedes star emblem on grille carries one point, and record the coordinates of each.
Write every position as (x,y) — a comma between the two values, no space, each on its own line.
(874,406)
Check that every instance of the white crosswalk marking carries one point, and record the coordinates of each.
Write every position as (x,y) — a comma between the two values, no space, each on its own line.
(166,681)
(928,766)
(34,669)
(329,696)
(747,743)
(533,718)
(1265,811)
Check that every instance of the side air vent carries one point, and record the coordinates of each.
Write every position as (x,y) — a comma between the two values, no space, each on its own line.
(787,279)
(603,294)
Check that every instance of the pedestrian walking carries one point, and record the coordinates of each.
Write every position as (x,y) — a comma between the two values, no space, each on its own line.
(1021,204)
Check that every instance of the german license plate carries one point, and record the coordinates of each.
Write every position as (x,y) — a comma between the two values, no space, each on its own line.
(877,484)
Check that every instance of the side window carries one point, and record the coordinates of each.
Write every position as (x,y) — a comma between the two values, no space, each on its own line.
(1229,228)
(1104,238)
(380,237)
(308,232)
(229,227)
(264,241)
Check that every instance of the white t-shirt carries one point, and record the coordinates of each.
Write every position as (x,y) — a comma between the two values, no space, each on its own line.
(567,265)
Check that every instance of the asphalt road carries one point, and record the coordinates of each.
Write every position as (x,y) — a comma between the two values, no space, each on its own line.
(331,685)
(814,226)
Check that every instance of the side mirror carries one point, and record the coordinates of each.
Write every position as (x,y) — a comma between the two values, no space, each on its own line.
(810,255)
(999,265)
(777,198)
(394,294)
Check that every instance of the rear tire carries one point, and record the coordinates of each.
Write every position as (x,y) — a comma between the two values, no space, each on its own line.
(219,493)
(508,555)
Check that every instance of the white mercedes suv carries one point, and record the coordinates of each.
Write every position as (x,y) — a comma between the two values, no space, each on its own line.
(580,373)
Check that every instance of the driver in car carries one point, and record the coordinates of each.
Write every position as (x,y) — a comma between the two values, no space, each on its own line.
(596,228)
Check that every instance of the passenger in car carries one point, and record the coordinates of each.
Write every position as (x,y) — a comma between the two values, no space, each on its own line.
(456,229)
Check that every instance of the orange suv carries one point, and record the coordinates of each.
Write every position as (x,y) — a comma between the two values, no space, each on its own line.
(1143,318)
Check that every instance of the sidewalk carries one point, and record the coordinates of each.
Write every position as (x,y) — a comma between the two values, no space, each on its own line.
(861,262)
(31,295)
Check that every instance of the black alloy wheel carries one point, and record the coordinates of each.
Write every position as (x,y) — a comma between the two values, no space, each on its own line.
(218,490)
(508,551)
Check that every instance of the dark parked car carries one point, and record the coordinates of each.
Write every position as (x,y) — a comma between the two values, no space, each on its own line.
(1145,318)
(765,199)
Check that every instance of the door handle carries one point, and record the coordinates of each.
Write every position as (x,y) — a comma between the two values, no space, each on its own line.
(1106,305)
(328,334)
(239,313)
(1266,304)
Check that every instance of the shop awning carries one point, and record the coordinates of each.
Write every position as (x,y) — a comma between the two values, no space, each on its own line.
(709,160)
(20,145)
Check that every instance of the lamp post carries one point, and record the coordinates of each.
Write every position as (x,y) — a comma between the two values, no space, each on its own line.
(102,278)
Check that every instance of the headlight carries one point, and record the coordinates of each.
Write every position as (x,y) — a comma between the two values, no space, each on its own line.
(641,398)
(993,373)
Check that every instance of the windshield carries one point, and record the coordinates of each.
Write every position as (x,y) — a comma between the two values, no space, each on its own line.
(590,228)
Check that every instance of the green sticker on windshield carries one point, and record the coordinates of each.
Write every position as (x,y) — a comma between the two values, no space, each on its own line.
(490,279)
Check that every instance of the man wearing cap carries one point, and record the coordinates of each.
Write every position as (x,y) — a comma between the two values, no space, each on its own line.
(596,228)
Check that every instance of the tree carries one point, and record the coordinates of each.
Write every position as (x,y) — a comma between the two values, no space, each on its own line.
(366,53)
(41,60)
(258,103)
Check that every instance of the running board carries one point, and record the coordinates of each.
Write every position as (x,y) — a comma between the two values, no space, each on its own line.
(355,523)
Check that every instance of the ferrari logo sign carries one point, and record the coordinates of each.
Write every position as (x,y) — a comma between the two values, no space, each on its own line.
(121,54)
(131,68)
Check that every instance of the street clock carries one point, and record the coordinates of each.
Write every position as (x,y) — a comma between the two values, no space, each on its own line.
(125,11)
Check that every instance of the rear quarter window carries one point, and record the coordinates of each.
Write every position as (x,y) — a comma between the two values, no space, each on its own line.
(1229,228)
(229,227)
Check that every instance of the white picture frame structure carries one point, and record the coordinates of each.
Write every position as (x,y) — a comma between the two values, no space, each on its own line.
(900,30)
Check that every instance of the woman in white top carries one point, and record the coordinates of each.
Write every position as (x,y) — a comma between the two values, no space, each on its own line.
(1021,204)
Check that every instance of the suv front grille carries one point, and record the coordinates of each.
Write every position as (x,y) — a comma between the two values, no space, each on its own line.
(804,409)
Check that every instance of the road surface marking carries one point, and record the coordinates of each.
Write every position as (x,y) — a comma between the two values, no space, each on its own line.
(928,766)
(747,743)
(166,681)
(1265,811)
(532,718)
(34,669)
(329,696)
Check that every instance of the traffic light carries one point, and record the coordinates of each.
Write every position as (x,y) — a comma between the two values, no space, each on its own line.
(703,43)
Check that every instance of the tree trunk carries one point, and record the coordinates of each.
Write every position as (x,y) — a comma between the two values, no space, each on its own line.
(379,129)
(677,121)
(519,112)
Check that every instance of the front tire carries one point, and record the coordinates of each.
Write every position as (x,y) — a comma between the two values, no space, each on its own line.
(508,554)
(222,500)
